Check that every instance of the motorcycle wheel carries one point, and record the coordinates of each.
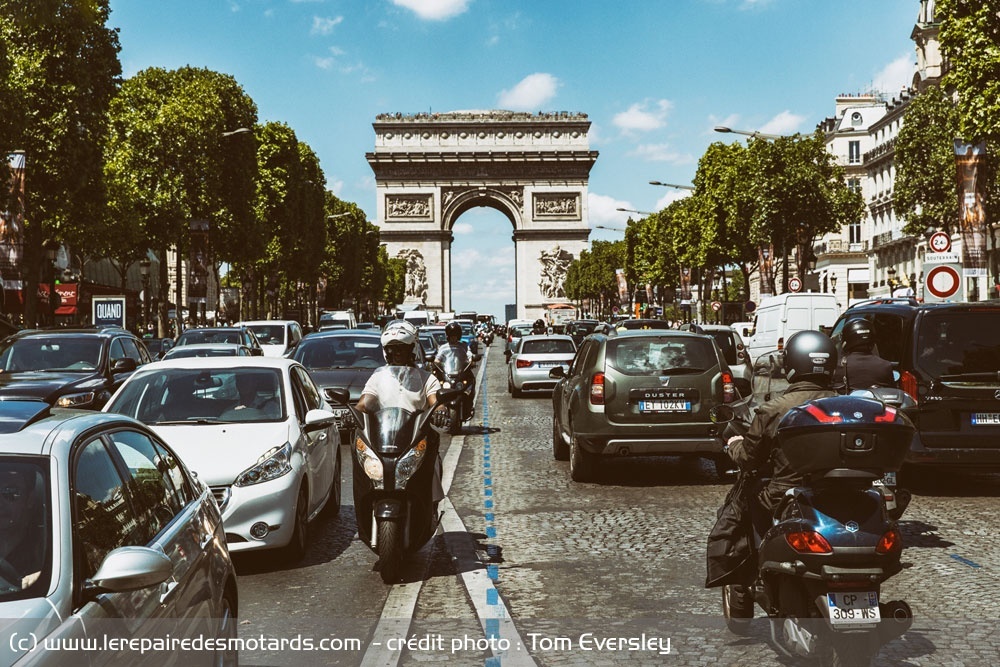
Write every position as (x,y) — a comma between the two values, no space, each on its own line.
(737,608)
(390,550)
(456,421)
(560,451)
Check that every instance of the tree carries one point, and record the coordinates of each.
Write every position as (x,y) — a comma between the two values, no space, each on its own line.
(970,44)
(59,68)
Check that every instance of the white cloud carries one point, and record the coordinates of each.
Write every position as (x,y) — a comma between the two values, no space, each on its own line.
(601,210)
(336,186)
(498,258)
(640,118)
(325,25)
(669,198)
(462,228)
(434,10)
(324,63)
(896,75)
(531,92)
(785,122)
(661,153)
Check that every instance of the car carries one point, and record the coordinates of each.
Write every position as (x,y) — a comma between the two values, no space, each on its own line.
(238,335)
(635,324)
(208,350)
(337,318)
(157,347)
(580,329)
(341,359)
(257,430)
(429,345)
(641,393)
(69,368)
(108,535)
(513,334)
(277,338)
(947,358)
(532,359)
(735,352)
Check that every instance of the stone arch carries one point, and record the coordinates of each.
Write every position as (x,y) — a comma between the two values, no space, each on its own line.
(532,168)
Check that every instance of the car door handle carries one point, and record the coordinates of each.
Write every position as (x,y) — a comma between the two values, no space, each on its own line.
(166,589)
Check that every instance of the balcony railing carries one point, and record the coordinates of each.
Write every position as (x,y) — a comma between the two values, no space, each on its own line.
(840,245)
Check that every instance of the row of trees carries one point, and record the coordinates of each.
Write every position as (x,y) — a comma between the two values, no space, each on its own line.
(119,169)
(784,194)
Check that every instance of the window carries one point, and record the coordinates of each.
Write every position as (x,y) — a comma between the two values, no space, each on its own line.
(854,152)
(103,517)
(856,118)
(156,498)
(854,232)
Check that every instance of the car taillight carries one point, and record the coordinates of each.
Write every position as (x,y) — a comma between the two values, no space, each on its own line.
(728,388)
(597,389)
(522,363)
(808,542)
(890,542)
(908,383)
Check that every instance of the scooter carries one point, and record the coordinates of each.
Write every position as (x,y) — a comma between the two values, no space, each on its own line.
(395,455)
(450,370)
(823,556)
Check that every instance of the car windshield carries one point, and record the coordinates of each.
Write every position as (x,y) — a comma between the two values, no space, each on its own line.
(649,355)
(25,528)
(340,352)
(50,353)
(194,336)
(202,396)
(547,346)
(269,334)
(959,343)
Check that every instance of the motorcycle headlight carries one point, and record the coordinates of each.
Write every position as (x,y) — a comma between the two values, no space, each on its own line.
(370,463)
(75,400)
(409,463)
(272,465)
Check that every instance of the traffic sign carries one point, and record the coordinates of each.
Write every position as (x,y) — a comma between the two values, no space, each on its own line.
(716,306)
(942,282)
(794,284)
(749,306)
(940,242)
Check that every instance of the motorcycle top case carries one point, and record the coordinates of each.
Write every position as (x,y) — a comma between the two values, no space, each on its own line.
(844,432)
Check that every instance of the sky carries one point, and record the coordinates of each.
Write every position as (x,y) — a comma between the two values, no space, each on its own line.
(654,77)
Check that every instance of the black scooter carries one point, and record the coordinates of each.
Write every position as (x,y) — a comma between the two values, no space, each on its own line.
(395,456)
(452,370)
(823,556)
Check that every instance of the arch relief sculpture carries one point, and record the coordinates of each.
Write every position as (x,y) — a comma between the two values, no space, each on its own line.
(555,264)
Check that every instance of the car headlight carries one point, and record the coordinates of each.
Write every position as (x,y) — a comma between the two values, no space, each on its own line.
(75,400)
(409,463)
(272,465)
(370,463)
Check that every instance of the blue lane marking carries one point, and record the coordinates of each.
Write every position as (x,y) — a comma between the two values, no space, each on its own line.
(493,631)
(489,516)
(492,597)
(965,561)
(491,531)
(488,504)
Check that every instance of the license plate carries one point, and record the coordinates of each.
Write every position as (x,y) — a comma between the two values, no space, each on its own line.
(986,418)
(664,406)
(853,609)
(888,479)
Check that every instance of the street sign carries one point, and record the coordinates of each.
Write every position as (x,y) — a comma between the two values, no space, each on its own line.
(108,311)
(940,242)
(942,282)
(794,284)
(749,307)
(716,306)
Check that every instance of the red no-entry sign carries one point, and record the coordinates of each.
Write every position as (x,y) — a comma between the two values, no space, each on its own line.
(942,282)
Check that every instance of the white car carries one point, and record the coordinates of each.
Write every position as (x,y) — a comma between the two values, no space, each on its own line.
(256,430)
(278,338)
(533,357)
(207,350)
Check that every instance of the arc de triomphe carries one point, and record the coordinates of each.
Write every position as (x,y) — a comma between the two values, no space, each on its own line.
(534,168)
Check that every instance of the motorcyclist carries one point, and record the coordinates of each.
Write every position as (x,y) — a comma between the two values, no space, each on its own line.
(455,347)
(861,368)
(539,327)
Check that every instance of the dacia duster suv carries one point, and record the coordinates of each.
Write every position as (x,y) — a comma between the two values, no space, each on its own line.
(947,357)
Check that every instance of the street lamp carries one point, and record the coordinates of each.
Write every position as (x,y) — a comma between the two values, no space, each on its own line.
(891,272)
(239,130)
(673,185)
(613,229)
(144,272)
(754,133)
(339,215)
(51,253)
(833,283)
(632,210)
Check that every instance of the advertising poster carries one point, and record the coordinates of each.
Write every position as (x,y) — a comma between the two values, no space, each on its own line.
(971,215)
(622,287)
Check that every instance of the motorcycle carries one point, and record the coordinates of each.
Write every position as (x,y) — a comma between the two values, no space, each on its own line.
(452,370)
(822,558)
(395,455)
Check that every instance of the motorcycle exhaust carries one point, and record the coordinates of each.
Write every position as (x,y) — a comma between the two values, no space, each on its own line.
(897,617)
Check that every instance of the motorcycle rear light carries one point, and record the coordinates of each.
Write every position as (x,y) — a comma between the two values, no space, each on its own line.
(597,389)
(888,416)
(891,542)
(808,542)
(522,363)
(728,388)
(908,383)
(821,416)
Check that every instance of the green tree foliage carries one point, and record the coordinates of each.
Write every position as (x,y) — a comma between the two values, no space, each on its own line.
(59,70)
(970,43)
(592,275)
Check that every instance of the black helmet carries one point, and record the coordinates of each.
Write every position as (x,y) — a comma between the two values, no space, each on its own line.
(857,334)
(538,326)
(810,355)
(453,329)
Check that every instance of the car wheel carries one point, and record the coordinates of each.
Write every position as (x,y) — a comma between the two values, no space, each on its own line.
(229,656)
(332,507)
(560,450)
(296,547)
(510,385)
(581,462)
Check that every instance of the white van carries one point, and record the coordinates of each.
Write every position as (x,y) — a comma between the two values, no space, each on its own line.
(338,319)
(278,338)
(418,318)
(778,317)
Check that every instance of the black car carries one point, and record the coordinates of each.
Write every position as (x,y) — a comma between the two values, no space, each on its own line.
(947,358)
(238,335)
(580,329)
(69,368)
(158,347)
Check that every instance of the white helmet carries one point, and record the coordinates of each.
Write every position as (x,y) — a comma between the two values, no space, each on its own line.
(401,331)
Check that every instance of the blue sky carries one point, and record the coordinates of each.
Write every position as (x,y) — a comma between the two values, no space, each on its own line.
(654,77)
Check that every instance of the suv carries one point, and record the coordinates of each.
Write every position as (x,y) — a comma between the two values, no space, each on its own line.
(735,352)
(641,393)
(69,368)
(947,356)
(241,335)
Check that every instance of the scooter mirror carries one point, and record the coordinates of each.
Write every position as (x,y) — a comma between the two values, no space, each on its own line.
(721,413)
(338,396)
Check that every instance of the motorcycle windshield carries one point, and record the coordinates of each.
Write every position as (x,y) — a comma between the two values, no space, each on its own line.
(452,359)
(391,430)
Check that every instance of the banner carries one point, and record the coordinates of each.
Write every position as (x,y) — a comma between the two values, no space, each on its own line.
(685,283)
(622,287)
(765,256)
(972,217)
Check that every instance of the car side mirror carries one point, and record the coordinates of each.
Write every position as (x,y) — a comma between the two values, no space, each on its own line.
(124,365)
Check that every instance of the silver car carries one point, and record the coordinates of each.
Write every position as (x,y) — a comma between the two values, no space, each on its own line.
(104,534)
(533,356)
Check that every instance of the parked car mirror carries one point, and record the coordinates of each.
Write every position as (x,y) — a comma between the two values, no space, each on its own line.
(131,568)
(125,365)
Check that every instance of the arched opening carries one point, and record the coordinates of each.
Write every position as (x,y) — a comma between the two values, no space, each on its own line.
(482,262)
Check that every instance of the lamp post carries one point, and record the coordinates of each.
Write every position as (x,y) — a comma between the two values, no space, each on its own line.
(610,228)
(144,272)
(673,185)
(833,283)
(239,130)
(632,210)
(51,253)
(752,133)
(891,272)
